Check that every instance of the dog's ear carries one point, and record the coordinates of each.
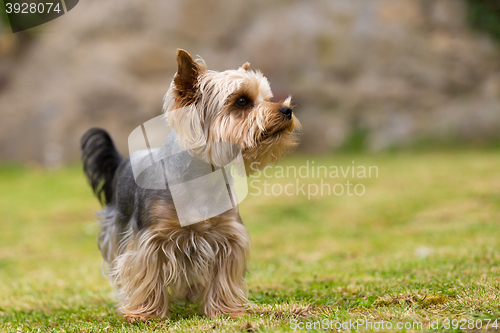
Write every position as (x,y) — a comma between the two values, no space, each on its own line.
(182,114)
(187,73)
(244,67)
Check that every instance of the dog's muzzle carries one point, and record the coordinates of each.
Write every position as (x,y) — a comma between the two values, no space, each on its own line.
(286,111)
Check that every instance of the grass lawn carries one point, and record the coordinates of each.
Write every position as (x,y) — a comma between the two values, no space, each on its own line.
(421,245)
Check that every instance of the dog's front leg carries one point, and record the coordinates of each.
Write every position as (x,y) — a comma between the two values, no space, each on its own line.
(226,292)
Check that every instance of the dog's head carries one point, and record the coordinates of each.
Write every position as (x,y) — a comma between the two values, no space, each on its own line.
(206,107)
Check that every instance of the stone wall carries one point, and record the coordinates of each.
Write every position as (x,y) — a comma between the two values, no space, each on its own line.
(401,70)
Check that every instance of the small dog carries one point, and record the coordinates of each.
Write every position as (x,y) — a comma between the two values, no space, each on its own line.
(152,260)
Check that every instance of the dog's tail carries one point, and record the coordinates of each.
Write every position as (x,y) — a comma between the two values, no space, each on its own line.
(100,161)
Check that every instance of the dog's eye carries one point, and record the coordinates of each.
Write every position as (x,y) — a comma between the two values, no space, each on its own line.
(242,102)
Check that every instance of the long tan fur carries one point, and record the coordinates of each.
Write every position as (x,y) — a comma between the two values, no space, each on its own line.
(205,261)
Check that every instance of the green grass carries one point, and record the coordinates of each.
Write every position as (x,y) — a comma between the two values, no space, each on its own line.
(422,244)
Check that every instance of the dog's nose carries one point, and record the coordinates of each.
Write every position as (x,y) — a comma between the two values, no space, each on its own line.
(287,111)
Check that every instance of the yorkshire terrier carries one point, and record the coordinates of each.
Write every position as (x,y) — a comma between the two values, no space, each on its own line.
(152,259)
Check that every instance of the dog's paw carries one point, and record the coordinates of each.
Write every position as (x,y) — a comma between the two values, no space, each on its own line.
(133,317)
(234,315)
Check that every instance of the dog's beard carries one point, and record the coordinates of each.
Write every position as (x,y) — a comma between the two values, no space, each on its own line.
(263,138)
(263,135)
(261,131)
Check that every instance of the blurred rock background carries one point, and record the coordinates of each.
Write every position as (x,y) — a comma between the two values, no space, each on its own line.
(374,75)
